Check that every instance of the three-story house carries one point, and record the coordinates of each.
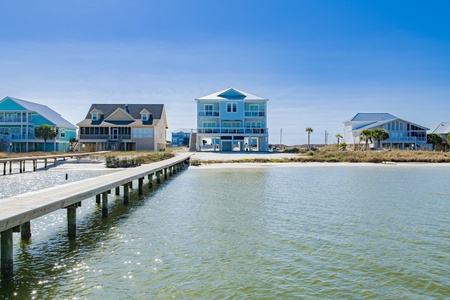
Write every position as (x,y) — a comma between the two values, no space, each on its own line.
(232,120)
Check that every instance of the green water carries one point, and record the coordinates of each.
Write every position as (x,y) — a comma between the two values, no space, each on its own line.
(338,232)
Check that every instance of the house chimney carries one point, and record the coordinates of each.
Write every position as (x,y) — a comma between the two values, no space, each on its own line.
(126,108)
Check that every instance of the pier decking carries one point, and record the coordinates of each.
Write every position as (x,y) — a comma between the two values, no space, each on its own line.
(17,211)
(35,159)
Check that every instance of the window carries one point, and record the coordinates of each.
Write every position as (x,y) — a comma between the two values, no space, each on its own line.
(94,116)
(208,110)
(142,133)
(63,132)
(232,107)
(144,116)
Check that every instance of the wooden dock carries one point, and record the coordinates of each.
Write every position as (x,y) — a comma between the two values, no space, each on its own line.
(45,159)
(17,211)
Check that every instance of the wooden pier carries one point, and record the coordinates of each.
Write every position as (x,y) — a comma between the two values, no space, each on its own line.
(45,159)
(17,212)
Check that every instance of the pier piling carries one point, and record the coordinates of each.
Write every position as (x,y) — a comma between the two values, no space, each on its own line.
(7,252)
(72,221)
(25,231)
(104,204)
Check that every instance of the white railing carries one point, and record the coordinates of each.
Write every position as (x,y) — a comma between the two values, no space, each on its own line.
(113,137)
(232,130)
(255,113)
(208,113)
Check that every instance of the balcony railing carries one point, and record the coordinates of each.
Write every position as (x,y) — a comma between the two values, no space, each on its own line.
(17,136)
(255,113)
(228,130)
(208,113)
(112,137)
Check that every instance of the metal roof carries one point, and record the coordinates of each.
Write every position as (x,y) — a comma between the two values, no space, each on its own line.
(371,117)
(231,93)
(44,111)
(443,128)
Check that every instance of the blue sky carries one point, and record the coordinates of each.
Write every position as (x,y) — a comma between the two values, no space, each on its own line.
(318,62)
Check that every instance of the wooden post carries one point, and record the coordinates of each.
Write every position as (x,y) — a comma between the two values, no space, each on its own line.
(126,196)
(20,166)
(118,190)
(140,186)
(10,166)
(131,184)
(72,221)
(25,231)
(7,252)
(97,199)
(4,168)
(34,165)
(45,163)
(165,173)
(54,161)
(150,180)
(158,177)
(170,171)
(105,204)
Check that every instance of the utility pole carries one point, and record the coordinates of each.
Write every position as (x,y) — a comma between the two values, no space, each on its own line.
(281,135)
(326,137)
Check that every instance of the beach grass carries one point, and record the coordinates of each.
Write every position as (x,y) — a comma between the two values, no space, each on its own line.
(328,155)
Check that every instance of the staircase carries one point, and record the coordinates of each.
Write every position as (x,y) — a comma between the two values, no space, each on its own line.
(193,142)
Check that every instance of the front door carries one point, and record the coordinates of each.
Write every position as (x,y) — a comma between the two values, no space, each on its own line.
(115,134)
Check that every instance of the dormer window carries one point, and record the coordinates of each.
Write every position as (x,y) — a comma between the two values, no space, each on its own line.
(94,116)
(144,116)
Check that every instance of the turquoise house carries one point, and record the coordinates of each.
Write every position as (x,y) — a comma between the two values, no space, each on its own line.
(232,120)
(18,120)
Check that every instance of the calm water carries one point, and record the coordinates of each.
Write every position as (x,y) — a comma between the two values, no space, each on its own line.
(338,232)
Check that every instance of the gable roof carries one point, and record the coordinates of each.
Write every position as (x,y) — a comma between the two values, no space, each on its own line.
(231,93)
(44,111)
(371,117)
(374,120)
(156,112)
(443,128)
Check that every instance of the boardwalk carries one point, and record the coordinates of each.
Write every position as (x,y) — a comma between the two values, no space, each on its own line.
(35,159)
(18,211)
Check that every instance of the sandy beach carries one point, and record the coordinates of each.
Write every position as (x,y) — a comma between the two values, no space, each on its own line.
(209,156)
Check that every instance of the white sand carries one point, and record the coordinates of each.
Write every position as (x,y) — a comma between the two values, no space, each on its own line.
(270,155)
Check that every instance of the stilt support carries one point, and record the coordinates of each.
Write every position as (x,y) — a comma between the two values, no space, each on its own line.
(140,186)
(158,177)
(150,180)
(97,199)
(105,204)
(118,190)
(25,231)
(126,193)
(72,221)
(7,252)
(165,174)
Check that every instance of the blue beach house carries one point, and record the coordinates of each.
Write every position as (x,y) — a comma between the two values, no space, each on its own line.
(232,120)
(181,137)
(18,120)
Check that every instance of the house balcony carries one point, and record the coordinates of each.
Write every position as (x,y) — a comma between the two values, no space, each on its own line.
(105,137)
(233,130)
(406,140)
(17,137)
(208,113)
(254,113)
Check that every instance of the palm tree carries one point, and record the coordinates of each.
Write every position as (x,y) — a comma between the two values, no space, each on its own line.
(338,136)
(367,136)
(309,130)
(45,132)
(380,134)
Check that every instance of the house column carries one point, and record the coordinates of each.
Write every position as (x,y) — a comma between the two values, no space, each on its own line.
(250,144)
(214,144)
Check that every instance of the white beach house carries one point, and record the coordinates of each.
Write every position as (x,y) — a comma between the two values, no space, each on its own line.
(402,134)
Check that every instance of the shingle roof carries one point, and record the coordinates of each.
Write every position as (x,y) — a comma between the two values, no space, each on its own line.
(44,111)
(231,93)
(443,128)
(133,109)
